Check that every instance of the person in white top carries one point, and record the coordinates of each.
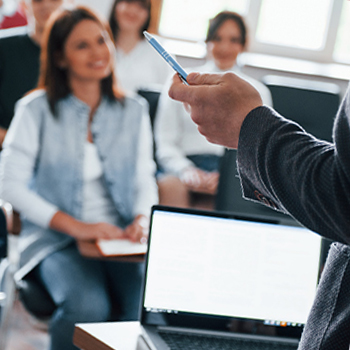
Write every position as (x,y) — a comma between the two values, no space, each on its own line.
(77,164)
(138,65)
(189,163)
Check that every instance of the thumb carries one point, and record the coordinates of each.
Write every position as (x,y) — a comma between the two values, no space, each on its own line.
(203,79)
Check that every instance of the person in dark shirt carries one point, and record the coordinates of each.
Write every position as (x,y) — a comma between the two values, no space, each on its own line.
(19,58)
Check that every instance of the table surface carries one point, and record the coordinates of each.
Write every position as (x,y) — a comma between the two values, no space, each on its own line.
(109,336)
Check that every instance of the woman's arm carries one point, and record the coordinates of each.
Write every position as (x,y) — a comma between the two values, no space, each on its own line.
(18,159)
(82,231)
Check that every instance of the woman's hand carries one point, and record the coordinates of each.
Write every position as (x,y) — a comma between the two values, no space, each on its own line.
(65,223)
(100,230)
(137,231)
(201,181)
(81,231)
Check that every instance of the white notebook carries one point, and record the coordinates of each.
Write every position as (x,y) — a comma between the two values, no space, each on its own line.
(120,247)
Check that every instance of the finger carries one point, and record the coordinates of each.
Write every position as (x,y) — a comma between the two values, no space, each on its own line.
(184,93)
(114,232)
(136,233)
(179,91)
(204,79)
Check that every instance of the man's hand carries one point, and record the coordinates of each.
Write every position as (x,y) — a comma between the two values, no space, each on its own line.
(218,104)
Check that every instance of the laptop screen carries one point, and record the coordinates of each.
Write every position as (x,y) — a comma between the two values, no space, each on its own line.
(217,265)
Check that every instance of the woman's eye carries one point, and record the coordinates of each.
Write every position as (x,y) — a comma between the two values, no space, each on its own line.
(236,40)
(82,46)
(101,40)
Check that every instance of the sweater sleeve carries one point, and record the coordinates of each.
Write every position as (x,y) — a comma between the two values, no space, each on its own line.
(18,159)
(286,168)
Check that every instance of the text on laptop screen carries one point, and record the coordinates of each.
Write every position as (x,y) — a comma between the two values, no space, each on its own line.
(229,267)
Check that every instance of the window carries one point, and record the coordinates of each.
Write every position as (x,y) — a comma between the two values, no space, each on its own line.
(188,19)
(316,30)
(295,23)
(342,44)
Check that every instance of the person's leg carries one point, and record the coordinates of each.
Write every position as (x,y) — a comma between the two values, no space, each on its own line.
(79,289)
(126,282)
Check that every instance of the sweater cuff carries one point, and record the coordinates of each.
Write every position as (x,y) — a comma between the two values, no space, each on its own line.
(253,135)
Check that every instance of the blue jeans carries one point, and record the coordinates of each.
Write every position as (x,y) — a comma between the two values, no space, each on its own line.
(85,290)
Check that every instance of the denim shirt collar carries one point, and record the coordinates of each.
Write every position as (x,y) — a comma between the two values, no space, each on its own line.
(84,107)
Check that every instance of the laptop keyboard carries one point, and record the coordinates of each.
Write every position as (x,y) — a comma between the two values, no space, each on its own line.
(181,341)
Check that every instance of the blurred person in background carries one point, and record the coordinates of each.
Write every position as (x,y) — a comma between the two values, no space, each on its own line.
(190,163)
(77,164)
(20,56)
(138,64)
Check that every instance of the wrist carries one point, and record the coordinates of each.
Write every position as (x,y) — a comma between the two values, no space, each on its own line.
(65,223)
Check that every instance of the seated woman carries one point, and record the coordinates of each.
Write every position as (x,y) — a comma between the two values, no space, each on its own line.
(77,164)
(138,65)
(188,161)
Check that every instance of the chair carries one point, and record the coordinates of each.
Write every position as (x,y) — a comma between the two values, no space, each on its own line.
(152,97)
(312,104)
(30,291)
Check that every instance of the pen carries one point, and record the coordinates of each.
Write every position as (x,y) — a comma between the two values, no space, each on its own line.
(166,56)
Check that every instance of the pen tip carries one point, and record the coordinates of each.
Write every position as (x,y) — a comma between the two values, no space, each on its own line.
(146,34)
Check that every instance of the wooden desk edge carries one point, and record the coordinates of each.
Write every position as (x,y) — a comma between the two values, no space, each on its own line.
(84,340)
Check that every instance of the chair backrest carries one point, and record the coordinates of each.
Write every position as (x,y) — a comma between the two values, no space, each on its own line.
(312,104)
(152,97)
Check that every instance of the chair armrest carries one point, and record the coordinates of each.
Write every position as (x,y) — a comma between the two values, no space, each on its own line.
(6,207)
(13,220)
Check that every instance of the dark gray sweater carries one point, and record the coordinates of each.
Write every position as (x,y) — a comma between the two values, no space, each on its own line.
(282,165)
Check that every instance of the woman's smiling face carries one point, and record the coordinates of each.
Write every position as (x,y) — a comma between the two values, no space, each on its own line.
(226,45)
(87,52)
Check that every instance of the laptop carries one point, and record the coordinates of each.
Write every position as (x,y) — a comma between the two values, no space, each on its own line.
(217,280)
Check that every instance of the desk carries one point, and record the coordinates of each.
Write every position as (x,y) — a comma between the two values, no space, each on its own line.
(109,336)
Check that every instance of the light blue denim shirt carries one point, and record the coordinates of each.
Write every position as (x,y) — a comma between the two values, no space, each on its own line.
(53,164)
